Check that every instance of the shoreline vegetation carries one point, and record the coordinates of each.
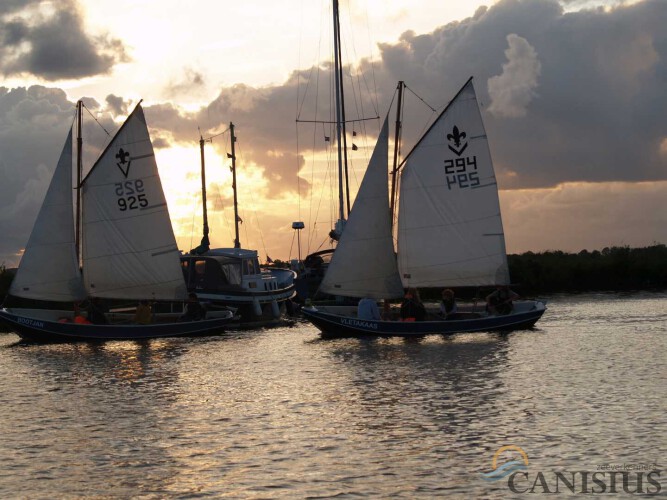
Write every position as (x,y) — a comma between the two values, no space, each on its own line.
(612,268)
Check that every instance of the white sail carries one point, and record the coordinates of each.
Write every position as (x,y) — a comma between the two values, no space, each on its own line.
(364,263)
(49,269)
(450,231)
(129,249)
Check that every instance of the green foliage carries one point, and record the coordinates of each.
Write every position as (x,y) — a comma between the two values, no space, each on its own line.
(615,268)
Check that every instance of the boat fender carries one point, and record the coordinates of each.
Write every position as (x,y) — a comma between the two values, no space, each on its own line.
(256,307)
(275,309)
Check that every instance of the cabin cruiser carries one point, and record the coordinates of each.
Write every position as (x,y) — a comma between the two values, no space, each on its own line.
(232,277)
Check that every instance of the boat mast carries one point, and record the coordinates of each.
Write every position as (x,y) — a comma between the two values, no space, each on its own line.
(79,168)
(339,116)
(205,241)
(397,140)
(237,243)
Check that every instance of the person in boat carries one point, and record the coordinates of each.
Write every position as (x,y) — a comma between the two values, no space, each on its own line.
(144,313)
(500,301)
(368,309)
(96,312)
(386,311)
(448,303)
(412,308)
(194,311)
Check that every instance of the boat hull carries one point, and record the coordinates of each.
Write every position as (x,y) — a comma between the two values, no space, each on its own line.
(43,330)
(335,325)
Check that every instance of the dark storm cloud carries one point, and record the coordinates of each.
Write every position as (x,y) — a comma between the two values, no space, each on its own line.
(597,104)
(53,46)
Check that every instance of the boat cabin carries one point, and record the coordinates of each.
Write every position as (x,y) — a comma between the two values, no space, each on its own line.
(226,269)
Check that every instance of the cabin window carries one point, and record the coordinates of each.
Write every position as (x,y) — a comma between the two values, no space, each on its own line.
(232,272)
(199,277)
(250,267)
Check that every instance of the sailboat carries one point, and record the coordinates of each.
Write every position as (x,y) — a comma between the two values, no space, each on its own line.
(232,277)
(450,232)
(128,246)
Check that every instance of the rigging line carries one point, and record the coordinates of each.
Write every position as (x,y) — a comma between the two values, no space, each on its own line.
(327,122)
(91,114)
(372,61)
(421,99)
(289,258)
(312,174)
(254,206)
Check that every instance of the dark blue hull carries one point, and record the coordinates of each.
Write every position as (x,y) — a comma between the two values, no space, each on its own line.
(38,330)
(333,325)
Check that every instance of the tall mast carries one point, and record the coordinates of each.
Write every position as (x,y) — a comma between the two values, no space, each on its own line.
(397,140)
(205,243)
(79,168)
(339,118)
(237,243)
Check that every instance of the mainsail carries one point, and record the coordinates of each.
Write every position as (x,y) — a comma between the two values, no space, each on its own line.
(364,264)
(49,269)
(450,231)
(129,249)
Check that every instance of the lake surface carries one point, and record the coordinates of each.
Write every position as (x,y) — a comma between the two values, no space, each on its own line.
(280,413)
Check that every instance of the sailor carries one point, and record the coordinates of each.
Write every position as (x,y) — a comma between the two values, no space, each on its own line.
(144,313)
(500,301)
(368,309)
(412,308)
(448,303)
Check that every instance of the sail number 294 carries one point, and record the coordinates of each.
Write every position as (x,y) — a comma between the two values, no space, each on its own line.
(131,195)
(462,172)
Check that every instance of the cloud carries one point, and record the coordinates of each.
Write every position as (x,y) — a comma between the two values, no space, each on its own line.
(50,43)
(574,112)
(585,216)
(512,91)
(116,105)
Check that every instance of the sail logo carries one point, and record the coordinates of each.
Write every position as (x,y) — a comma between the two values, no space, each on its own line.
(455,139)
(123,165)
(518,462)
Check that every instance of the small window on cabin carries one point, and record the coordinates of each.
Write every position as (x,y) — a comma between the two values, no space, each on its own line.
(200,272)
(249,267)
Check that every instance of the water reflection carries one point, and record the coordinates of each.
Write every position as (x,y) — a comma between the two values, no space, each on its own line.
(281,413)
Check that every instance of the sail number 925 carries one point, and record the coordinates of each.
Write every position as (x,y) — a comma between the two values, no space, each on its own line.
(131,195)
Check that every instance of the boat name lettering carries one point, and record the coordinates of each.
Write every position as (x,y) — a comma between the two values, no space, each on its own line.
(30,322)
(362,324)
(131,195)
(462,172)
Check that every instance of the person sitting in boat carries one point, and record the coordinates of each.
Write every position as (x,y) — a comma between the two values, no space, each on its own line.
(193,309)
(368,309)
(412,308)
(448,303)
(500,301)
(144,313)
(386,311)
(96,312)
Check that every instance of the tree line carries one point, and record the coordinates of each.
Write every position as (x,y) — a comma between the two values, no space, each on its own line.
(613,268)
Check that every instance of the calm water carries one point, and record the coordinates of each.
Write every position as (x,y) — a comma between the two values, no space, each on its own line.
(281,413)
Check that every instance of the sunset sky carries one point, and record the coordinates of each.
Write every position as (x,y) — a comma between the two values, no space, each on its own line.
(573,96)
